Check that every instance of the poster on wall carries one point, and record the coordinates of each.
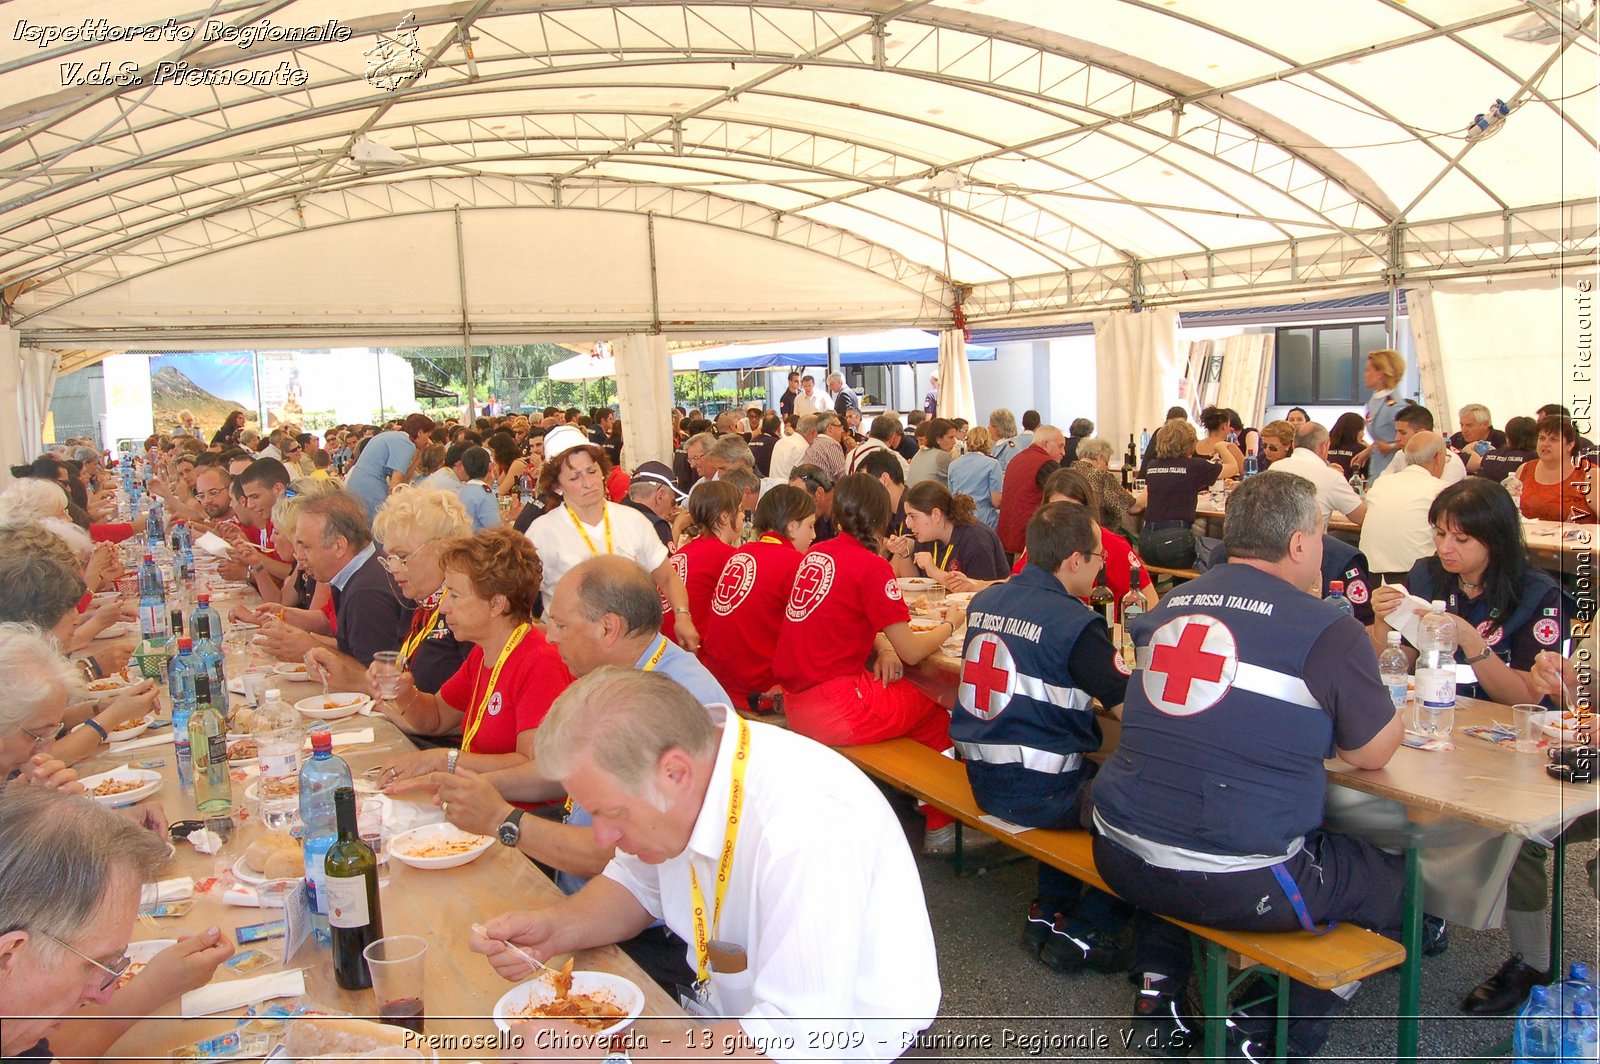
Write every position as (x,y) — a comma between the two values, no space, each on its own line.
(210,385)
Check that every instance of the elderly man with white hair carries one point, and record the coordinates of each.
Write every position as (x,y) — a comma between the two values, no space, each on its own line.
(843,398)
(1478,433)
(1396,531)
(1309,460)
(778,862)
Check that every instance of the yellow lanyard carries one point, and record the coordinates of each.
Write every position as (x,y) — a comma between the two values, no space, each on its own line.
(703,934)
(648,666)
(480,707)
(587,542)
(944,563)
(409,647)
(768,537)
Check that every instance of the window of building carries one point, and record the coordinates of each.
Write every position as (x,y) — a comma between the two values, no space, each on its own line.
(1320,365)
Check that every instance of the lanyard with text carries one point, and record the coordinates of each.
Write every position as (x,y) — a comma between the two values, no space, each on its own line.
(649,666)
(703,933)
(587,542)
(480,706)
(409,647)
(943,563)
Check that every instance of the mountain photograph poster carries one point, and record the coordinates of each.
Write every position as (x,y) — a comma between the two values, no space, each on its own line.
(210,385)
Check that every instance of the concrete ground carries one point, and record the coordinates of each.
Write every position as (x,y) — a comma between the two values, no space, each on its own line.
(1032,1013)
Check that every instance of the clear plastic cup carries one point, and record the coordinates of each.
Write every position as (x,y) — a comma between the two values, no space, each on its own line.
(398,964)
(370,826)
(1529,722)
(256,681)
(386,669)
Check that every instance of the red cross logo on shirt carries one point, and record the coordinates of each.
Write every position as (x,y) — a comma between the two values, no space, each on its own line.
(811,585)
(737,578)
(988,677)
(1193,660)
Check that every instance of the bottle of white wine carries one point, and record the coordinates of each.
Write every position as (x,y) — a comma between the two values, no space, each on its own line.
(354,914)
(208,751)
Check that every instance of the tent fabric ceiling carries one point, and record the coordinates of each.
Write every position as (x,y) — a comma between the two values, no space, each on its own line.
(1041,158)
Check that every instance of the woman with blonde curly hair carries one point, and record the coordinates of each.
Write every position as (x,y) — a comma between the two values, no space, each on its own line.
(510,679)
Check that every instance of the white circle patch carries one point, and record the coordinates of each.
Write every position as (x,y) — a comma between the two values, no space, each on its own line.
(1193,660)
(988,677)
(1546,631)
(737,578)
(891,590)
(680,565)
(812,581)
(1356,591)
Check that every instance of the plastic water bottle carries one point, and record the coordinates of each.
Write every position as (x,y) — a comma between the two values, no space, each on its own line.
(1436,674)
(155,529)
(1132,606)
(1395,671)
(152,600)
(319,777)
(180,683)
(205,628)
(525,489)
(1513,484)
(1251,466)
(1537,1034)
(1336,598)
(277,735)
(1358,484)
(1580,1037)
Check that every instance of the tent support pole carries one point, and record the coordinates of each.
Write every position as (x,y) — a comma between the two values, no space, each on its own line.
(833,359)
(1393,324)
(466,324)
(655,291)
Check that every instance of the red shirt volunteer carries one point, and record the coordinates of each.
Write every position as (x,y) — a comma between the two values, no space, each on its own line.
(740,636)
(1118,560)
(699,564)
(531,678)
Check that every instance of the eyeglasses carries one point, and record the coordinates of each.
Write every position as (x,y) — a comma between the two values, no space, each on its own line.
(114,970)
(39,741)
(393,563)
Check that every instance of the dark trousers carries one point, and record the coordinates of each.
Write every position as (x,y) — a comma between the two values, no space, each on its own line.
(1340,878)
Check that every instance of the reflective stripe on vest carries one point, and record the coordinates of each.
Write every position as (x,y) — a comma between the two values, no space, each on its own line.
(1026,756)
(1257,680)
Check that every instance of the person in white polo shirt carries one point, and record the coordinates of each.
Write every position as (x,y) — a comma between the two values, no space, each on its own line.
(1309,459)
(779,863)
(1396,532)
(1407,423)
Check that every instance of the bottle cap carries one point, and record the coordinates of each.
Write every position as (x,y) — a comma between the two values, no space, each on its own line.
(1393,639)
(1437,604)
(204,598)
(185,643)
(321,740)
(1335,587)
(149,557)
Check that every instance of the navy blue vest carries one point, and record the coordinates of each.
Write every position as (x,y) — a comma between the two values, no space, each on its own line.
(1020,722)
(1222,743)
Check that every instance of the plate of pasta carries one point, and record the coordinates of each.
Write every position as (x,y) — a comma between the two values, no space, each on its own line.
(601,1003)
(122,786)
(335,706)
(434,846)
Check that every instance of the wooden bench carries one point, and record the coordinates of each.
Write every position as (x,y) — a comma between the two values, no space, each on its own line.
(1172,576)
(1340,956)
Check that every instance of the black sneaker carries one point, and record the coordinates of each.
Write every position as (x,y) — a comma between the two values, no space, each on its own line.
(1162,1026)
(1435,935)
(1505,989)
(1036,931)
(1092,949)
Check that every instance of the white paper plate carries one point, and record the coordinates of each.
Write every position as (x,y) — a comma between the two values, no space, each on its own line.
(417,836)
(120,630)
(152,783)
(603,985)
(295,669)
(350,703)
(106,686)
(142,953)
(242,873)
(138,729)
(915,585)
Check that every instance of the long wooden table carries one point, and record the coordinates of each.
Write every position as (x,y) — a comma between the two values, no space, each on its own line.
(440,906)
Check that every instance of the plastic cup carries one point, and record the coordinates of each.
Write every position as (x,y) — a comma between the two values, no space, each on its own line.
(386,669)
(1529,721)
(369,825)
(397,964)
(256,681)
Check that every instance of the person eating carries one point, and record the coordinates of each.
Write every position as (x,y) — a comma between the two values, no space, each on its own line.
(950,544)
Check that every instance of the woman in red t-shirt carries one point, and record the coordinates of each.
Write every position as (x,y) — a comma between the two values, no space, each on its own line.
(847,634)
(741,631)
(1069,485)
(505,688)
(717,511)
(1560,486)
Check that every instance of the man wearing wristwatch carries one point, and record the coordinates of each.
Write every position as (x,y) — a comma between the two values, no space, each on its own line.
(605,611)
(778,862)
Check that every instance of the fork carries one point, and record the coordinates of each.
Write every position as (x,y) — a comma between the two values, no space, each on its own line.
(535,962)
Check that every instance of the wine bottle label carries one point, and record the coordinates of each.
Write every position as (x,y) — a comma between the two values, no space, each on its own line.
(217,750)
(347,901)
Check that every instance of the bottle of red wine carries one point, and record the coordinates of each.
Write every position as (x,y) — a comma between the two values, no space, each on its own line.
(354,915)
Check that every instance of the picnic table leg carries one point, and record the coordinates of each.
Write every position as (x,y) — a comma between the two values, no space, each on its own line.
(1411,968)
(1557,896)
(1214,997)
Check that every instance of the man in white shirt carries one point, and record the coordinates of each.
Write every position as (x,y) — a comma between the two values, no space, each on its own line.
(819,905)
(1309,460)
(787,452)
(811,401)
(883,436)
(1407,423)
(1397,532)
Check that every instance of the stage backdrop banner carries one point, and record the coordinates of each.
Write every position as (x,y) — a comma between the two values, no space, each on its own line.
(208,384)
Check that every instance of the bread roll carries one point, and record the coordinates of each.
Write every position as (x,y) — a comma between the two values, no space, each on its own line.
(260,852)
(284,864)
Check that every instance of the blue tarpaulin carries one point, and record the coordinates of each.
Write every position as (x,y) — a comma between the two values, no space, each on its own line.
(869,349)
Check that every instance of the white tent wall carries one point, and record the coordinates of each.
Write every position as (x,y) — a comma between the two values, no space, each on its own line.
(1138,366)
(955,377)
(16,446)
(1512,346)
(644,391)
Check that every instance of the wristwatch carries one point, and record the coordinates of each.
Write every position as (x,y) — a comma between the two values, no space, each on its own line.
(450,760)
(509,832)
(1480,656)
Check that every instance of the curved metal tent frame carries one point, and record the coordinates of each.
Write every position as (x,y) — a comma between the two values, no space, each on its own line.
(1035,161)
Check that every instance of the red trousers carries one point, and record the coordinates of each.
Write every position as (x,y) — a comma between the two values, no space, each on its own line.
(854,710)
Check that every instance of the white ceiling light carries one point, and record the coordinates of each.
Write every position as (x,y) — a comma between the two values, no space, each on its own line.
(369,154)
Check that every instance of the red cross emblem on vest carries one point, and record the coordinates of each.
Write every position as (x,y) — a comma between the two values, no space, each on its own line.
(1193,660)
(811,585)
(737,578)
(988,677)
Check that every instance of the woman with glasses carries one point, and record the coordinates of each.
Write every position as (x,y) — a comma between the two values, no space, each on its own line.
(846,637)
(510,678)
(951,545)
